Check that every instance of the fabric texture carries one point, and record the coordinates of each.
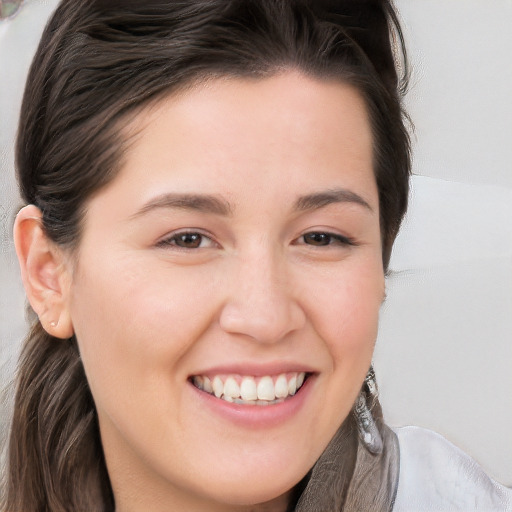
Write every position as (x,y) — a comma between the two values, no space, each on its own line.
(418,471)
(347,477)
(436,476)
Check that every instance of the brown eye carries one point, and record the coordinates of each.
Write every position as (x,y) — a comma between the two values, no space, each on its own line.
(320,239)
(187,240)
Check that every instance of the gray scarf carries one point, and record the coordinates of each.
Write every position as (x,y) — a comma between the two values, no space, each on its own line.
(348,478)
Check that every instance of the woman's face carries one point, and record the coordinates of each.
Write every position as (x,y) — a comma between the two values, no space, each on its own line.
(237,250)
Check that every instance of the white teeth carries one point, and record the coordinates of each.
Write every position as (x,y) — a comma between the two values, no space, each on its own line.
(248,392)
(231,388)
(292,385)
(248,389)
(207,385)
(281,386)
(266,389)
(218,387)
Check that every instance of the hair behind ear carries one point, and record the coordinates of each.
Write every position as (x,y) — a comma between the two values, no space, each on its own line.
(55,461)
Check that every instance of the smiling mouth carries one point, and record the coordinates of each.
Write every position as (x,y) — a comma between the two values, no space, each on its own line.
(248,390)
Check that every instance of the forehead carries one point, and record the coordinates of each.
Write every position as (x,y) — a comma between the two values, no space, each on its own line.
(228,135)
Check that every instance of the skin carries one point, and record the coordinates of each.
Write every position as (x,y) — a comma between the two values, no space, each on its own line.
(148,315)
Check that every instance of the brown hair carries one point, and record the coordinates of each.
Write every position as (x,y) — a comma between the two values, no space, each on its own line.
(97,62)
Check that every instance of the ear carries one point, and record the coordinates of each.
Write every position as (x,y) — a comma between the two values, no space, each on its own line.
(45,273)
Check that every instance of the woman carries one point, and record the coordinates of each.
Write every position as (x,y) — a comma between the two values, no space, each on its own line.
(213,192)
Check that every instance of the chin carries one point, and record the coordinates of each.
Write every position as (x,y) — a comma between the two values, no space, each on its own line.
(251,492)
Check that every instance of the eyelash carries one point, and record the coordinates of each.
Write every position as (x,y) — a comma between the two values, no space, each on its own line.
(339,240)
(170,241)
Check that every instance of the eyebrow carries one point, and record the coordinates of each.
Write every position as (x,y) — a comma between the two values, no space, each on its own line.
(199,202)
(206,203)
(325,198)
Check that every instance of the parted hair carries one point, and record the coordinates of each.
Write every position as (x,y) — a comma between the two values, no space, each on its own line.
(98,63)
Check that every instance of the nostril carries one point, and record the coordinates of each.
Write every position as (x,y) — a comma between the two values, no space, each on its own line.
(265,323)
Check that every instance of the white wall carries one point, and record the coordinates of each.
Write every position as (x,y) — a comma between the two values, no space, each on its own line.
(444,354)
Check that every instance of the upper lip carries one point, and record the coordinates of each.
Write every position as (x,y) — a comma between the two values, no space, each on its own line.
(256,370)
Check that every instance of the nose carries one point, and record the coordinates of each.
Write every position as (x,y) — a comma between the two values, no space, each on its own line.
(262,304)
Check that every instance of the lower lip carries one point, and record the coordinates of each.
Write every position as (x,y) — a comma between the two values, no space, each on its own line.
(256,416)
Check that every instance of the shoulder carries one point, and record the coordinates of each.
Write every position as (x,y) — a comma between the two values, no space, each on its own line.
(436,476)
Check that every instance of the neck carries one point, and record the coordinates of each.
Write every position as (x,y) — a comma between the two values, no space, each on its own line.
(129,503)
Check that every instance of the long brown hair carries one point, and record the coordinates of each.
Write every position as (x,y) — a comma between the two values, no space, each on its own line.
(97,63)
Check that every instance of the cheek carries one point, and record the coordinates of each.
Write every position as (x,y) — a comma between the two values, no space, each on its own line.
(347,312)
(357,312)
(134,322)
(346,308)
(343,309)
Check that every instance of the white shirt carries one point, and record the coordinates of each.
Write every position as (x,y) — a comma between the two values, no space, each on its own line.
(436,476)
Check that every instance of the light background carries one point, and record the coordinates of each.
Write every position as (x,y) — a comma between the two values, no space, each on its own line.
(444,354)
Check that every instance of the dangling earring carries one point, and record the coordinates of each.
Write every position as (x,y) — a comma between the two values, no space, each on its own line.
(368,430)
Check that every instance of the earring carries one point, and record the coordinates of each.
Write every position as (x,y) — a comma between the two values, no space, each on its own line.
(366,426)
(53,324)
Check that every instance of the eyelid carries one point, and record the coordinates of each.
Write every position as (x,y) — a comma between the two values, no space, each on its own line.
(166,240)
(343,240)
